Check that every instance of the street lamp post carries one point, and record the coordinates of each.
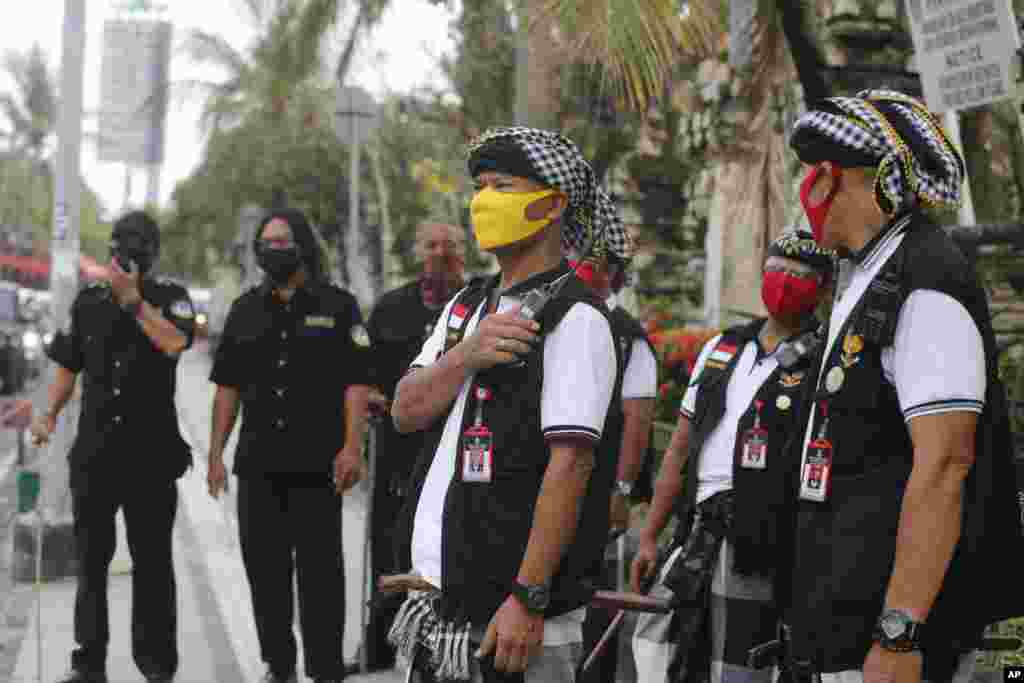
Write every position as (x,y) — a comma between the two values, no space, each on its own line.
(64,246)
(356,118)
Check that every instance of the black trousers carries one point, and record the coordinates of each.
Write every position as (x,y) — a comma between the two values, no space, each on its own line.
(605,667)
(288,523)
(149,510)
(388,498)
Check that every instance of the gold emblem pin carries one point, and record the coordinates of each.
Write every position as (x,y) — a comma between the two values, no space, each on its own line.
(791,379)
(853,343)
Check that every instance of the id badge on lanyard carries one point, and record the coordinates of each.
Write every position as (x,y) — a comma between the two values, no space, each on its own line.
(815,479)
(754,446)
(478,445)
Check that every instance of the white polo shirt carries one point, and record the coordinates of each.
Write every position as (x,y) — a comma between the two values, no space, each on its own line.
(579,378)
(717,452)
(640,377)
(937,359)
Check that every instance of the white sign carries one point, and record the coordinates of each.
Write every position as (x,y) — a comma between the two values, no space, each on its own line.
(966,51)
(133,91)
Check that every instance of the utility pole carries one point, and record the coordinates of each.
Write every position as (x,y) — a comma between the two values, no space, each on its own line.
(64,245)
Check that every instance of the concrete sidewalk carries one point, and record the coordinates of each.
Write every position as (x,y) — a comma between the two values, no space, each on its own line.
(202,642)
(217,636)
(215,526)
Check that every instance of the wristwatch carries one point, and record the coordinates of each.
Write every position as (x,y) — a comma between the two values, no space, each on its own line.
(133,308)
(624,488)
(896,631)
(534,598)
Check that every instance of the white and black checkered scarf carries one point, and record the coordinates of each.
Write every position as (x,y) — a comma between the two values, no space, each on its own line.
(916,163)
(558,163)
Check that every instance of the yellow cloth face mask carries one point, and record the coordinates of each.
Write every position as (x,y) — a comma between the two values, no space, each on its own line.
(499,218)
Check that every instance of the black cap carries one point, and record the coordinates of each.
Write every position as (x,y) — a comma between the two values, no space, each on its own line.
(799,245)
(502,155)
(137,225)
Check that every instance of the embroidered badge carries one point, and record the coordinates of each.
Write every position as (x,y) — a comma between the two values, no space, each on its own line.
(360,336)
(783,402)
(319,321)
(853,344)
(721,356)
(182,308)
(791,379)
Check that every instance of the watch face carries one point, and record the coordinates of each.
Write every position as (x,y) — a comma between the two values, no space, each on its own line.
(893,625)
(538,597)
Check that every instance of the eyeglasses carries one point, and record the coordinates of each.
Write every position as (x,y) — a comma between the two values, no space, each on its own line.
(272,243)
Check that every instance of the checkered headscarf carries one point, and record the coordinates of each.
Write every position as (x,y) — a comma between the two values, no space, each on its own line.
(557,162)
(916,163)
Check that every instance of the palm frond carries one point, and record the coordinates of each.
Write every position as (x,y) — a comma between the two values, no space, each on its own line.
(203,46)
(19,119)
(317,18)
(638,42)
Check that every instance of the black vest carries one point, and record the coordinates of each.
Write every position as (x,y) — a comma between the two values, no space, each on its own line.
(845,547)
(762,498)
(627,330)
(486,526)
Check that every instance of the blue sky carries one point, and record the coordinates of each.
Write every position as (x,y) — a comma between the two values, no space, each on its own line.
(398,56)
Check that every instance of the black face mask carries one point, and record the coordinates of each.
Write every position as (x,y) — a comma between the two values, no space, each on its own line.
(279,264)
(125,256)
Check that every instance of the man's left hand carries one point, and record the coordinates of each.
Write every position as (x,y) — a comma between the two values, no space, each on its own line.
(883,666)
(125,283)
(515,636)
(349,468)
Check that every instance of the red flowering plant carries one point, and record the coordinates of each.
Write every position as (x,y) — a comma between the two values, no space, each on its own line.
(677,348)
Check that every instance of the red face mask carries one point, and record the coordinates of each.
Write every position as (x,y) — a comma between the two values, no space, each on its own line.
(817,213)
(593,276)
(786,295)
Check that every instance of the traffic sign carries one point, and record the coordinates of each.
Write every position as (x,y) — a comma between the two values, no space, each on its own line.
(965,50)
(356,115)
(133,90)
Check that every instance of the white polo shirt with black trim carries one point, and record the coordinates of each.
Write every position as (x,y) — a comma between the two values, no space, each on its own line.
(751,371)
(937,358)
(579,378)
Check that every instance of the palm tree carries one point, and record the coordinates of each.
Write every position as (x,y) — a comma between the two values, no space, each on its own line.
(642,44)
(271,75)
(31,110)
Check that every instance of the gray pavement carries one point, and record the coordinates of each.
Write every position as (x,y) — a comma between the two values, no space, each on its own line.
(217,637)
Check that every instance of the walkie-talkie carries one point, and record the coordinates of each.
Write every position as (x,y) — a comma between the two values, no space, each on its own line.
(790,353)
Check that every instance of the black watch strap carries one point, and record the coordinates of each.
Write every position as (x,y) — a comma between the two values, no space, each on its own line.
(534,598)
(133,308)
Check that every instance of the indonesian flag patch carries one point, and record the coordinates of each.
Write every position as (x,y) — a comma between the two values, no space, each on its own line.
(458,316)
(722,354)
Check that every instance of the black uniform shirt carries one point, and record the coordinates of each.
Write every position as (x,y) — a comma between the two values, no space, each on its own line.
(399,325)
(292,363)
(128,413)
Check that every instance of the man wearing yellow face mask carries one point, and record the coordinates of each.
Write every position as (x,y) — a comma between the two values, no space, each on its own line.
(508,506)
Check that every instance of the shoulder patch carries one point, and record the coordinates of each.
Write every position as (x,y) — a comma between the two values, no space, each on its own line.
(182,308)
(360,336)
